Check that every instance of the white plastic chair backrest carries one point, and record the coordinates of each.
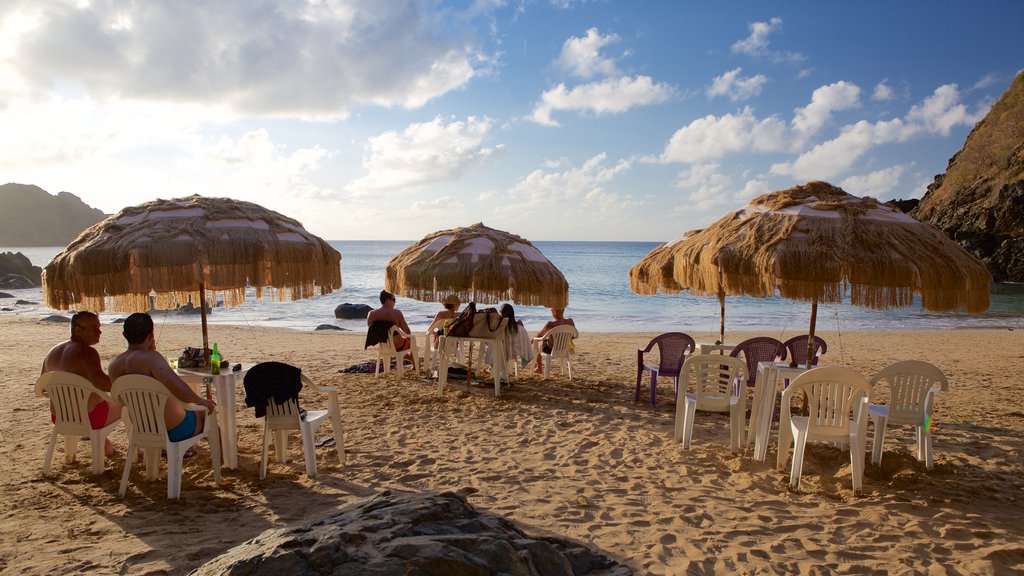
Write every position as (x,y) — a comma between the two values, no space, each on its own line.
(560,337)
(389,345)
(288,411)
(714,378)
(144,399)
(911,383)
(69,396)
(836,396)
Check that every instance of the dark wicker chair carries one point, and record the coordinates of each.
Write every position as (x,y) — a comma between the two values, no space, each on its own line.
(759,349)
(796,347)
(673,348)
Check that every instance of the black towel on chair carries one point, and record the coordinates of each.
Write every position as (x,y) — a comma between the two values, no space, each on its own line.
(271,380)
(378,332)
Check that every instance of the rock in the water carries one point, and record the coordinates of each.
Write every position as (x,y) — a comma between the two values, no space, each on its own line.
(328,327)
(18,264)
(56,318)
(400,533)
(348,311)
(15,282)
(5,295)
(21,302)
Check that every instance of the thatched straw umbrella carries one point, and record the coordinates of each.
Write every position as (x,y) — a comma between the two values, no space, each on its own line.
(183,248)
(655,273)
(816,242)
(477,264)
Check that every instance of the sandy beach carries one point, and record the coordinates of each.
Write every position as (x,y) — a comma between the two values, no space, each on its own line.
(579,459)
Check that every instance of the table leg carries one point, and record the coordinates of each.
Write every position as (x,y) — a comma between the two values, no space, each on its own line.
(442,365)
(755,406)
(225,389)
(498,366)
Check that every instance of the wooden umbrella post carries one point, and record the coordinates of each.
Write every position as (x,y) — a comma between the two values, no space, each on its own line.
(810,337)
(721,327)
(206,337)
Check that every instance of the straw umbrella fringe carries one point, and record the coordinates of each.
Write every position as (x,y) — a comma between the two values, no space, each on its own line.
(477,264)
(180,249)
(816,242)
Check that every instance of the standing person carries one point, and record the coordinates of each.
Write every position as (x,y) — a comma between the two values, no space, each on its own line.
(142,358)
(382,319)
(558,319)
(78,356)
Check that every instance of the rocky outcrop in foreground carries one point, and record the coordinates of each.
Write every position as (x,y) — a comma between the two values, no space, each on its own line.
(400,533)
(979,201)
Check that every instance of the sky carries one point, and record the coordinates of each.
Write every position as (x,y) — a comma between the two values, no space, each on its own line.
(551,119)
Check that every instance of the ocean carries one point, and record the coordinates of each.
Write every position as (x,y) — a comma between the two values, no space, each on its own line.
(599,300)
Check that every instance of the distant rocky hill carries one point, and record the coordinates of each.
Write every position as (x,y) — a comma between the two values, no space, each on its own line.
(33,217)
(979,201)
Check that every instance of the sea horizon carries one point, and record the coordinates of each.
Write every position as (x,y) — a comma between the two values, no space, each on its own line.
(600,299)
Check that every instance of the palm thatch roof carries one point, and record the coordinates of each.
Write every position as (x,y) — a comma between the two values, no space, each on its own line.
(172,247)
(478,264)
(816,242)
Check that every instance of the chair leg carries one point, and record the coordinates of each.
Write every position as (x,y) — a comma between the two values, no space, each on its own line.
(654,386)
(96,442)
(690,414)
(547,367)
(926,443)
(175,455)
(308,448)
(70,448)
(639,377)
(677,428)
(735,426)
(129,457)
(266,449)
(879,439)
(857,461)
(49,451)
(281,446)
(568,366)
(799,446)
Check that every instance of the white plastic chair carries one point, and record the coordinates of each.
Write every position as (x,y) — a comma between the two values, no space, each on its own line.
(837,407)
(430,350)
(561,338)
(144,399)
(717,380)
(912,388)
(69,395)
(386,351)
(283,417)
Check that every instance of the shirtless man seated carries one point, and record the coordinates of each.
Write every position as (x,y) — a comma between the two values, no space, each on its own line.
(558,319)
(388,313)
(78,356)
(141,357)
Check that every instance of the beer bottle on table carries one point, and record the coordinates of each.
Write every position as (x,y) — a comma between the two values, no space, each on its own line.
(215,361)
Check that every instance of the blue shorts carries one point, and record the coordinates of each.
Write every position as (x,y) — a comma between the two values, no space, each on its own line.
(185,430)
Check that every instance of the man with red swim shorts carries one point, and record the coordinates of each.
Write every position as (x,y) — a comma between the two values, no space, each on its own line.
(386,316)
(78,356)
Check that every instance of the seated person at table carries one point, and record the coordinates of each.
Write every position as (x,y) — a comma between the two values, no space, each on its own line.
(450,312)
(382,319)
(78,356)
(558,319)
(142,358)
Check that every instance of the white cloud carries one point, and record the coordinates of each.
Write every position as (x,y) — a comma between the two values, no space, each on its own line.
(571,183)
(825,100)
(273,58)
(714,137)
(708,186)
(736,88)
(442,204)
(941,111)
(425,153)
(834,157)
(986,81)
(609,96)
(753,189)
(756,44)
(882,92)
(582,56)
(875,184)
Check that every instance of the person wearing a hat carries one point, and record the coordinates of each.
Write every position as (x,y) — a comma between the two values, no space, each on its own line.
(451,312)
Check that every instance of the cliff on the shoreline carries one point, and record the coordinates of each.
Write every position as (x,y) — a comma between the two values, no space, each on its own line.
(979,201)
(33,217)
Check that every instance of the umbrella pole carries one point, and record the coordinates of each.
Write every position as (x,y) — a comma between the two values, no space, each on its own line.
(469,367)
(721,327)
(202,315)
(810,337)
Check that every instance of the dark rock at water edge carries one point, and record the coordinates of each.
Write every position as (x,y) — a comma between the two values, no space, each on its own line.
(18,264)
(5,295)
(329,327)
(23,303)
(401,533)
(15,282)
(56,318)
(348,311)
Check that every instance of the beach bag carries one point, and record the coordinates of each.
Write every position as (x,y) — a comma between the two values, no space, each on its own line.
(193,357)
(486,323)
(462,325)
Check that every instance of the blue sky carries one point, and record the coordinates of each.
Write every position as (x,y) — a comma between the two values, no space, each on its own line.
(551,119)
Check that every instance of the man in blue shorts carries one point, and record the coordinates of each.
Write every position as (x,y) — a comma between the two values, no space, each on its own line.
(141,357)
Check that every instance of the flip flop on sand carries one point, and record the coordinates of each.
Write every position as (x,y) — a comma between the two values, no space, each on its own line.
(325,442)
